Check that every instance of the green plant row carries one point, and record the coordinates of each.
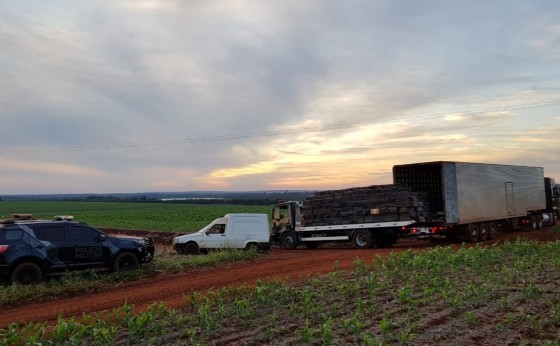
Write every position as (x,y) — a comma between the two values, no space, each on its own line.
(184,218)
(505,294)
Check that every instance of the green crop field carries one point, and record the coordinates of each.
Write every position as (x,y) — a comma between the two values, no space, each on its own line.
(143,216)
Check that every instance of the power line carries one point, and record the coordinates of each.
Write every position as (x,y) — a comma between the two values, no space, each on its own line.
(231,137)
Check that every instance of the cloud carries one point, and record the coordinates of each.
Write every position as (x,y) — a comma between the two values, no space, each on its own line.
(479,118)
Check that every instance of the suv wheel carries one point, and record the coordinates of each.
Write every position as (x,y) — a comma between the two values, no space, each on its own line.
(27,273)
(125,261)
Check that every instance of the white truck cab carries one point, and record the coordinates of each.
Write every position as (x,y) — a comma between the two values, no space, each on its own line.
(235,231)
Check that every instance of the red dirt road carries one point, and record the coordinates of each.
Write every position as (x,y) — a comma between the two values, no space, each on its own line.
(288,265)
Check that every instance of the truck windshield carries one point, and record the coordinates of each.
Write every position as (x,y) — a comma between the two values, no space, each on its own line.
(280,216)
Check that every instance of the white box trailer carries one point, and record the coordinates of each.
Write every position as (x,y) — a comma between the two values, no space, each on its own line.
(471,199)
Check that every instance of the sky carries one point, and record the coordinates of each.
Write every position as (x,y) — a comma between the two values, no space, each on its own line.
(178,95)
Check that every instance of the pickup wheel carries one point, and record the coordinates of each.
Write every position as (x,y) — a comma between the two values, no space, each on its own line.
(289,241)
(252,247)
(125,261)
(26,273)
(362,239)
(191,249)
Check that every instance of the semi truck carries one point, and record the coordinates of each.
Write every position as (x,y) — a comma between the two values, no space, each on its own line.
(440,199)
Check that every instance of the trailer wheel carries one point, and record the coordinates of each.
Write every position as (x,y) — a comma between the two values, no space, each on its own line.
(539,221)
(472,233)
(492,230)
(534,223)
(362,239)
(289,241)
(482,232)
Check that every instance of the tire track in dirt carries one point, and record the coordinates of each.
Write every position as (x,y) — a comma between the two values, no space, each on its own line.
(285,265)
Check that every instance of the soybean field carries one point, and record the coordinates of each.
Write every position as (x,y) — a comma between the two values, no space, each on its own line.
(166,217)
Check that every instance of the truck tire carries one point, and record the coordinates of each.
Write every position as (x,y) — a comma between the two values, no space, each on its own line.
(362,239)
(191,249)
(125,261)
(472,233)
(482,232)
(492,230)
(289,241)
(27,273)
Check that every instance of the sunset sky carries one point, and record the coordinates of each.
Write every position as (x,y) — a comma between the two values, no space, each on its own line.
(141,96)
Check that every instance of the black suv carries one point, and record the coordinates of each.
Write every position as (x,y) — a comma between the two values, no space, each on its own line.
(32,249)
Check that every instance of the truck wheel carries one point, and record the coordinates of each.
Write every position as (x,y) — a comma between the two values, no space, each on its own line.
(191,249)
(362,239)
(539,222)
(125,261)
(482,232)
(472,233)
(289,241)
(492,230)
(27,273)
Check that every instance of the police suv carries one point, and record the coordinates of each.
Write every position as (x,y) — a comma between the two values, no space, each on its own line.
(31,249)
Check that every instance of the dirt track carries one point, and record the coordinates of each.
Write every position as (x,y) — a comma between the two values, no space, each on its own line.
(288,265)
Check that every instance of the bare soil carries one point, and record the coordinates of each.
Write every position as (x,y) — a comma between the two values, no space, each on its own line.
(286,265)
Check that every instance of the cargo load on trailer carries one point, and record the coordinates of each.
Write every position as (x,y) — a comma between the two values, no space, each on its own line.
(376,203)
